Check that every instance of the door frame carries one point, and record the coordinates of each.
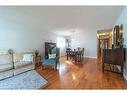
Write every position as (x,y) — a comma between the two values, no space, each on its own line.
(106,31)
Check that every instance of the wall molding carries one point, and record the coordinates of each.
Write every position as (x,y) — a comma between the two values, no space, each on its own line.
(91,57)
(124,73)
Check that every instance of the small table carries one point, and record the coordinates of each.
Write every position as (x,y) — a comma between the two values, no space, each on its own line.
(38,60)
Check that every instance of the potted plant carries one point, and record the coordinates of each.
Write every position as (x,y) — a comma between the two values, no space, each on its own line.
(121,41)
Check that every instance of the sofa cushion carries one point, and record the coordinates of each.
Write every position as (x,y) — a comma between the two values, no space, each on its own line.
(24,69)
(19,56)
(4,52)
(27,57)
(49,62)
(5,59)
(5,67)
(6,74)
(21,64)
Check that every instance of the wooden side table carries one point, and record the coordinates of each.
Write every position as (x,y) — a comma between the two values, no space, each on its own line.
(38,60)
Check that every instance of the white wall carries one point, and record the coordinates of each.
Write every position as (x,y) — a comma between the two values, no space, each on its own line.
(87,40)
(122,20)
(24,40)
(19,37)
(28,27)
(61,45)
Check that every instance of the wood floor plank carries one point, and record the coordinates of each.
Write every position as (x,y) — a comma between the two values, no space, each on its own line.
(85,75)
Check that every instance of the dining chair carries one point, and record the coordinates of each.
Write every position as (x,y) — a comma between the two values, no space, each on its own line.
(82,52)
(79,55)
(68,52)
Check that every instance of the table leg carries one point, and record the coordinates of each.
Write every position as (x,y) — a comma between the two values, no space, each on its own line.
(67,56)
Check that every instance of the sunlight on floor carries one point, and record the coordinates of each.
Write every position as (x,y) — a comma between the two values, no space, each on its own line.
(73,76)
(62,69)
(70,63)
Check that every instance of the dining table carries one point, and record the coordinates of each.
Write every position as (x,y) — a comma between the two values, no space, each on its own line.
(74,54)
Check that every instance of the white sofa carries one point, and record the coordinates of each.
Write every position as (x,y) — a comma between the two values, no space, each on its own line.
(12,64)
(22,66)
(6,65)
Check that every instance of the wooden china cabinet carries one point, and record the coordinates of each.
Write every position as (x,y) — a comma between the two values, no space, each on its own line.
(114,57)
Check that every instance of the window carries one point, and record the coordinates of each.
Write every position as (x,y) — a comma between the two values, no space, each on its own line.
(60,42)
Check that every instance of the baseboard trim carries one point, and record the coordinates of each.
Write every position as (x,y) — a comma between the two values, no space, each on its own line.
(124,75)
(63,56)
(91,57)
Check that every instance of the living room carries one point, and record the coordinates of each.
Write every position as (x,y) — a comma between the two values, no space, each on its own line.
(26,29)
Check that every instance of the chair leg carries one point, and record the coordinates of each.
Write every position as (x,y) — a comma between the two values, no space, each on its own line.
(55,67)
(75,57)
(80,58)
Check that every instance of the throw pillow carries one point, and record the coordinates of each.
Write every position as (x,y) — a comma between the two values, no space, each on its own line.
(51,56)
(27,57)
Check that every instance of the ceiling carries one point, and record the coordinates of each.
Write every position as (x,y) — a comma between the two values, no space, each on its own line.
(62,20)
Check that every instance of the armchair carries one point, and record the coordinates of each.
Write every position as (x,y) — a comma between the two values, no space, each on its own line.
(51,57)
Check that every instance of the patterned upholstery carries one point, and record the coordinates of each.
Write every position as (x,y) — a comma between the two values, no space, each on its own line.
(49,62)
(53,61)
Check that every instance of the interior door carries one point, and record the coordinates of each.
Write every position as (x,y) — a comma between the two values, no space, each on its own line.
(102,44)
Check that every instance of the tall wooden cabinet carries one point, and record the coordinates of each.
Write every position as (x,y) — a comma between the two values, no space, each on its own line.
(113,57)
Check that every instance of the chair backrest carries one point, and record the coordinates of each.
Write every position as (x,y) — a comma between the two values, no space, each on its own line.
(68,49)
(55,51)
(82,51)
(58,52)
(50,48)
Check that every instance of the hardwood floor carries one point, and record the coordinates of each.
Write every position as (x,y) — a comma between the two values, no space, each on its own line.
(85,75)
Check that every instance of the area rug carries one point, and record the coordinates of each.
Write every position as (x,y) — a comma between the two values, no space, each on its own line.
(28,80)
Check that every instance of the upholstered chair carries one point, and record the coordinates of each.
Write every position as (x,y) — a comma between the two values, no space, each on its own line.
(52,61)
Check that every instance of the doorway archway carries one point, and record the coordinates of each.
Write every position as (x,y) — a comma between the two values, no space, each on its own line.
(104,41)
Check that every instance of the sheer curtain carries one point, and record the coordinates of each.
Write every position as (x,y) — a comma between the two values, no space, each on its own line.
(61,45)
